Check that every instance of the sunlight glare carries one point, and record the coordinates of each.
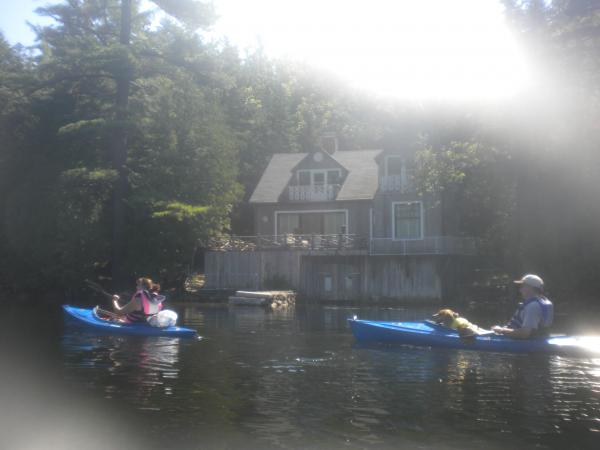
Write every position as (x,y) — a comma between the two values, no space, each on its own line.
(436,49)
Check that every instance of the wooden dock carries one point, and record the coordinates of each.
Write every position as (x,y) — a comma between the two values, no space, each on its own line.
(274,299)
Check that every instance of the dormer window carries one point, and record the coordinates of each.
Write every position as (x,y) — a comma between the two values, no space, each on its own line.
(394,165)
(315,185)
(319,177)
(396,174)
(304,177)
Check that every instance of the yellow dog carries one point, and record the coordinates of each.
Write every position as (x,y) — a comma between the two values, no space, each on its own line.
(452,319)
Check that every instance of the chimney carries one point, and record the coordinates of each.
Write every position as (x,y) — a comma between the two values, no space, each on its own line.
(329,142)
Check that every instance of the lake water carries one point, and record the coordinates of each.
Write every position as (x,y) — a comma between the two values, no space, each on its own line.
(290,378)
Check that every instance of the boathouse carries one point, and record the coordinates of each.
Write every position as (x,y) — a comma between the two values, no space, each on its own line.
(343,226)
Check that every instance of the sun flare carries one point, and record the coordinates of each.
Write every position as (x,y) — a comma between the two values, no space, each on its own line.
(417,50)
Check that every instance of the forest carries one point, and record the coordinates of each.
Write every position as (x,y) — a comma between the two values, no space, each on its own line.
(126,145)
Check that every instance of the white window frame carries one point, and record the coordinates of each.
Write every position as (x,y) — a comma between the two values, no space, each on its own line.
(313,171)
(314,174)
(276,213)
(351,277)
(402,171)
(407,202)
(298,178)
(327,275)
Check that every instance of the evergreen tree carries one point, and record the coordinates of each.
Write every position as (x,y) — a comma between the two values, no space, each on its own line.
(106,113)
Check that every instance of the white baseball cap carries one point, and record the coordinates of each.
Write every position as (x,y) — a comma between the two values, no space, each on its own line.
(531,280)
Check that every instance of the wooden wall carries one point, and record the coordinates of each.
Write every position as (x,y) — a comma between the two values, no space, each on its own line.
(250,270)
(333,278)
(413,277)
(365,277)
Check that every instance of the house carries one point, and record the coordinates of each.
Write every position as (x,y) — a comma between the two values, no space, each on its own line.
(342,225)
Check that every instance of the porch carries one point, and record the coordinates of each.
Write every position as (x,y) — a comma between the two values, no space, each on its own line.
(336,266)
(348,244)
(313,193)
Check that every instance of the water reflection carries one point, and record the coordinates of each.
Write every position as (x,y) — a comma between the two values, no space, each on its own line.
(293,378)
(138,368)
(548,400)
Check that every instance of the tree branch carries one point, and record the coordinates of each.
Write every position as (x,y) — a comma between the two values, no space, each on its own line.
(60,79)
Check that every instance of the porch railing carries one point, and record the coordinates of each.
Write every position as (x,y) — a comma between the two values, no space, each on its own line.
(438,245)
(291,242)
(314,192)
(395,183)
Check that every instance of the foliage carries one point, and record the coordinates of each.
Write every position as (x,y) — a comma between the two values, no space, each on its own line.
(181,161)
(472,184)
(556,213)
(202,121)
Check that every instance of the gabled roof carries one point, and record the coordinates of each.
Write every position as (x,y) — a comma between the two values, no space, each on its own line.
(361,182)
(326,161)
(275,177)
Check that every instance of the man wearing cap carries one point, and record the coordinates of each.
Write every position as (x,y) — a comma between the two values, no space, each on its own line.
(534,315)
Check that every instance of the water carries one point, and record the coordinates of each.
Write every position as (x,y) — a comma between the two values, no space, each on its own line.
(287,379)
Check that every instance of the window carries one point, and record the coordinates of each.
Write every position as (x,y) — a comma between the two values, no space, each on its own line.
(397,174)
(287,223)
(408,220)
(311,222)
(327,282)
(349,282)
(352,283)
(334,222)
(318,178)
(394,165)
(303,177)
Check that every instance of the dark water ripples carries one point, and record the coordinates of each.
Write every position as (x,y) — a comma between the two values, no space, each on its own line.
(296,379)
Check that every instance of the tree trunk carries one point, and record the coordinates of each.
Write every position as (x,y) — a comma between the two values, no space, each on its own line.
(119,153)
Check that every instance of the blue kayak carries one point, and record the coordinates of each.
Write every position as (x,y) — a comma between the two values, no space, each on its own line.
(88,319)
(429,334)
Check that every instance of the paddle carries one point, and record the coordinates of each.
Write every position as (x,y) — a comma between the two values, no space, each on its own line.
(96,287)
(103,312)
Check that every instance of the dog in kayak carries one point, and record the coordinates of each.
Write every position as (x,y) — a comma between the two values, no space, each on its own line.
(451,319)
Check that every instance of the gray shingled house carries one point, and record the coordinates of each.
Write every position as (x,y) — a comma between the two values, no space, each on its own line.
(342,225)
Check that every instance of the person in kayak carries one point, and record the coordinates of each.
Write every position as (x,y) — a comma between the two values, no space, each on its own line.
(534,315)
(145,302)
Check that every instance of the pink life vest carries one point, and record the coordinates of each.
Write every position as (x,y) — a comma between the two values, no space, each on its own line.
(151,305)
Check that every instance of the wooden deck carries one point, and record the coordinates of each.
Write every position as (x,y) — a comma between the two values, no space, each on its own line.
(286,242)
(348,244)
(339,267)
(263,298)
